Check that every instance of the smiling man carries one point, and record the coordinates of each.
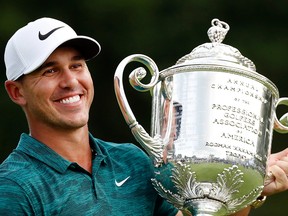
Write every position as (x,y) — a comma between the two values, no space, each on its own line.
(59,168)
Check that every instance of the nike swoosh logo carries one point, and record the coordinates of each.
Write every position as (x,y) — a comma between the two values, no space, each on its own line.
(119,184)
(45,36)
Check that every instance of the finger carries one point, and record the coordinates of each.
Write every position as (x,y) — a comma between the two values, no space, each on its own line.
(283,153)
(277,156)
(281,180)
(283,164)
(284,159)
(269,178)
(278,181)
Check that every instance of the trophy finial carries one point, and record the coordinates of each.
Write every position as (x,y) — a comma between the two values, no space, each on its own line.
(218,31)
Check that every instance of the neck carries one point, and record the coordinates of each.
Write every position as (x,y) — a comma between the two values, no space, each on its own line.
(73,145)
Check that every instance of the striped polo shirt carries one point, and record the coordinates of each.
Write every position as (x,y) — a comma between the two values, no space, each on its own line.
(35,180)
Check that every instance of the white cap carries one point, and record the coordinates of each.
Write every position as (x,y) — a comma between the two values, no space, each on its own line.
(32,44)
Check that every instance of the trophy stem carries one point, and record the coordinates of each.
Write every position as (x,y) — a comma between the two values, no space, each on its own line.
(206,207)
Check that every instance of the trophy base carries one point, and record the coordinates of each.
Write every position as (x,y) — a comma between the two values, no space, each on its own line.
(206,207)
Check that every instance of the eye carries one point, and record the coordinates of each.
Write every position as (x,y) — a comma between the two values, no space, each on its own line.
(49,72)
(77,66)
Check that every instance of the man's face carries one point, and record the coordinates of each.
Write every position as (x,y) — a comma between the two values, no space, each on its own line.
(59,94)
(173,125)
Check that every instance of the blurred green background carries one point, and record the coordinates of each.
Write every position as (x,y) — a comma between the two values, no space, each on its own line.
(163,30)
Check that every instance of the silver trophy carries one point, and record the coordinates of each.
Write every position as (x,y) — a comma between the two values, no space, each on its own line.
(212,122)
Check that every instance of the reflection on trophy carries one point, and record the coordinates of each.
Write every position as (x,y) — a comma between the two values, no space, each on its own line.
(212,122)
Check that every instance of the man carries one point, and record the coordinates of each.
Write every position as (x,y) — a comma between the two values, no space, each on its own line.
(60,168)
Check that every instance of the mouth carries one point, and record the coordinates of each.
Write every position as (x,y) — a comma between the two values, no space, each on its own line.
(70,100)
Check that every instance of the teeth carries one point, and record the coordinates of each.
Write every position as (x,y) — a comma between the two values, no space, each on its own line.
(70,99)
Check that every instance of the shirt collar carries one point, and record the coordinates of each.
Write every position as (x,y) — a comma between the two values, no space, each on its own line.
(43,153)
(100,153)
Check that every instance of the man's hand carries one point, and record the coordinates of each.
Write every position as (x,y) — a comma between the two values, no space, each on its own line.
(277,180)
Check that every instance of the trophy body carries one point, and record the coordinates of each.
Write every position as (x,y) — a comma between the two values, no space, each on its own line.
(220,130)
(211,126)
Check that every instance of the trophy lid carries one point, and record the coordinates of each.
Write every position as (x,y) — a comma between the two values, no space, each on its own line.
(216,56)
(216,52)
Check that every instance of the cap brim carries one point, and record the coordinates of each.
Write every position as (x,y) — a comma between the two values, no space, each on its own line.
(87,46)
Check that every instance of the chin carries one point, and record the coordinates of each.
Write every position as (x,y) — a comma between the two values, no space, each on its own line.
(75,124)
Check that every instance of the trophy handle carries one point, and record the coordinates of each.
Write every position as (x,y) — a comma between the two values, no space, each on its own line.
(152,145)
(281,125)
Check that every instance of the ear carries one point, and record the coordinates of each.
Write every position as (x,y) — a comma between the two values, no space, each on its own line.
(14,90)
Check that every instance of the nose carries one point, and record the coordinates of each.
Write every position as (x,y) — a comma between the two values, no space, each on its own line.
(68,79)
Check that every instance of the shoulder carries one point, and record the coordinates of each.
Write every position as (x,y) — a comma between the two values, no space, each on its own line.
(15,164)
(20,171)
(12,183)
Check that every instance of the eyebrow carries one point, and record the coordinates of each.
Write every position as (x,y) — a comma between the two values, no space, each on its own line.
(52,63)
